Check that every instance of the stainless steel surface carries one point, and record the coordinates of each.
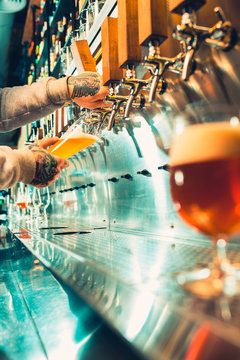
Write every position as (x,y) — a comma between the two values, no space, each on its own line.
(42,318)
(129,280)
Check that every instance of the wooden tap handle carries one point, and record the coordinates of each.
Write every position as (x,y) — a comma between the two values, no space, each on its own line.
(129,51)
(152,21)
(111,70)
(82,56)
(177,6)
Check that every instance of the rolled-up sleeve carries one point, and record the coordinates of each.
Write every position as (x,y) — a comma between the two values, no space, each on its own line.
(21,105)
(15,166)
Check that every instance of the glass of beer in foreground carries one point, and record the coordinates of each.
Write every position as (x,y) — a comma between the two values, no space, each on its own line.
(76,138)
(205,188)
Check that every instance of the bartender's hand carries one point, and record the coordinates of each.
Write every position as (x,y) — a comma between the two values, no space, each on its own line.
(48,167)
(86,90)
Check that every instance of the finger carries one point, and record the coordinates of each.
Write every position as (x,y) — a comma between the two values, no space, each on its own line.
(44,143)
(97,104)
(62,163)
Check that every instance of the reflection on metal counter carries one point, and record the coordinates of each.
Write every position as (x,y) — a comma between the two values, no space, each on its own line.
(42,318)
(111,232)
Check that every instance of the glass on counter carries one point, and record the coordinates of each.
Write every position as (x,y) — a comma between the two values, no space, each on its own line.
(205,188)
(79,34)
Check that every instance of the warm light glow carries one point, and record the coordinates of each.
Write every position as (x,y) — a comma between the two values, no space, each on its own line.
(179,178)
(234,121)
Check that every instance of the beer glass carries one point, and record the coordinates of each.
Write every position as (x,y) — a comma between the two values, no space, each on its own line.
(37,202)
(75,139)
(90,15)
(44,204)
(64,60)
(205,188)
(80,33)
(30,205)
(22,200)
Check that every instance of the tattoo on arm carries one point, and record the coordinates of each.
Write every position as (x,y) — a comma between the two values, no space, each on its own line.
(84,85)
(46,167)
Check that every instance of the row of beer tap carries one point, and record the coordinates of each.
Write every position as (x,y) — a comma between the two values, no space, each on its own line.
(142,27)
(143,23)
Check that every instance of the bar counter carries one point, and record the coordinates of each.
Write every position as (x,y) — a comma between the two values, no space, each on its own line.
(129,281)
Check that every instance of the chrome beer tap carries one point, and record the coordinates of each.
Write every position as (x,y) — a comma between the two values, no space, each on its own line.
(136,85)
(222,36)
(157,67)
(117,100)
(102,114)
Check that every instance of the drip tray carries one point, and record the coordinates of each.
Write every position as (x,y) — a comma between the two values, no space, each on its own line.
(72,232)
(78,231)
(53,227)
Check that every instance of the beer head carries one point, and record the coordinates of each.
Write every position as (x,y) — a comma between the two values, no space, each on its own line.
(205,142)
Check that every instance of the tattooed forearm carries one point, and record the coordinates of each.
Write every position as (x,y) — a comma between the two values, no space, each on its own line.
(84,85)
(46,167)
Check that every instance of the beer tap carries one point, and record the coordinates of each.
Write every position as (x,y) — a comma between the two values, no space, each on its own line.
(101,114)
(117,101)
(129,50)
(112,73)
(157,67)
(152,28)
(221,36)
(135,86)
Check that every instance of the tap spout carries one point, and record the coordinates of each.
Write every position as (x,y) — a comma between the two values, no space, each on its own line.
(117,100)
(136,86)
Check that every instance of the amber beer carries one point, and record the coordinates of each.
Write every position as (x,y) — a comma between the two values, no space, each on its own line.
(205,177)
(72,144)
(22,205)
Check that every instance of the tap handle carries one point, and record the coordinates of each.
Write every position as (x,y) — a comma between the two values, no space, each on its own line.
(129,50)
(152,21)
(220,14)
(82,56)
(115,98)
(109,33)
(136,84)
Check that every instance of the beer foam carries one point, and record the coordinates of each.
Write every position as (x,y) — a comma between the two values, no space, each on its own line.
(78,134)
(206,142)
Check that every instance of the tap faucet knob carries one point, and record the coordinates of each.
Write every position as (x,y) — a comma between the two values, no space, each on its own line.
(136,84)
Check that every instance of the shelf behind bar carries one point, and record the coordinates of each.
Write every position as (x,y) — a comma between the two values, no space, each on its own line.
(94,35)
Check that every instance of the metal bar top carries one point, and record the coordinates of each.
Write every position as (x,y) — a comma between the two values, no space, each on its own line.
(129,279)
